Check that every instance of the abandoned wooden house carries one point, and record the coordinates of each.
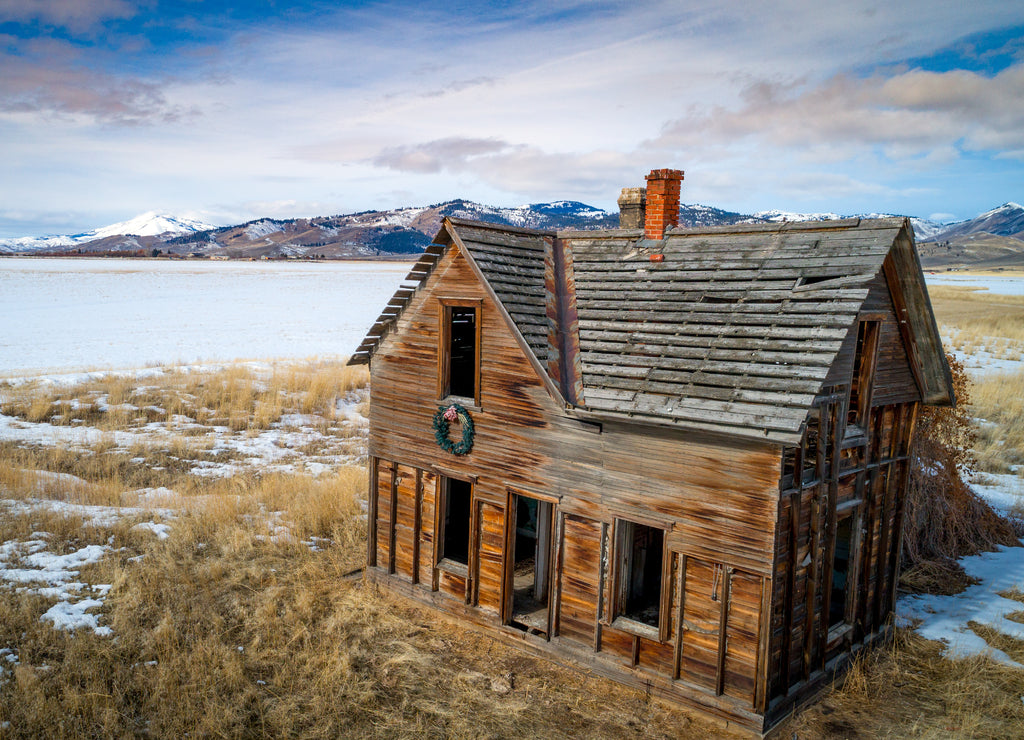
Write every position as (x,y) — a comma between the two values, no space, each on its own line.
(675,456)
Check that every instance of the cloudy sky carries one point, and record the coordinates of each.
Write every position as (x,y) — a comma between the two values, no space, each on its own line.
(230,111)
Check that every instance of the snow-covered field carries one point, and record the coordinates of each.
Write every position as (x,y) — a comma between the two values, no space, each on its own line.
(1003,285)
(60,314)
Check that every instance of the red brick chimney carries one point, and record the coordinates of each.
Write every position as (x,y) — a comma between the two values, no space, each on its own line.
(662,213)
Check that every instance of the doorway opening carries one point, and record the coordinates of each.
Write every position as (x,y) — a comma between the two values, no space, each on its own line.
(531,564)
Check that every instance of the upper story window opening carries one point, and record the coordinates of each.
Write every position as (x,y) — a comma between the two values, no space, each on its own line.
(459,350)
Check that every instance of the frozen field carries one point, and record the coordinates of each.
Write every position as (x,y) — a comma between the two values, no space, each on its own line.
(1008,285)
(63,314)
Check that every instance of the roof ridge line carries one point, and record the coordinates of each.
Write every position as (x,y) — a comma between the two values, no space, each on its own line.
(491,226)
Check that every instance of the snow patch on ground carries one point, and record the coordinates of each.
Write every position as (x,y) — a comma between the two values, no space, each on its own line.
(29,566)
(67,615)
(948,618)
(983,362)
(1003,492)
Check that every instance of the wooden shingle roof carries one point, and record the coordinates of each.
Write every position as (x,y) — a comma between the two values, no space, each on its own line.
(731,329)
(728,329)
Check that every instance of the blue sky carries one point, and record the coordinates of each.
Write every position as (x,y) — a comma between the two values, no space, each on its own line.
(230,111)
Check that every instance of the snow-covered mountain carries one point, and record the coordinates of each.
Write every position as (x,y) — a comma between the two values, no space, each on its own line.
(1006,220)
(776,216)
(150,223)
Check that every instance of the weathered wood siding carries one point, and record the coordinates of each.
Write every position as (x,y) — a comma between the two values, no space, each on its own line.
(860,473)
(714,498)
(894,380)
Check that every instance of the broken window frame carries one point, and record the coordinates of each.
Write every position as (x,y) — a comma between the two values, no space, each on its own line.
(444,526)
(848,512)
(547,519)
(621,579)
(862,378)
(446,309)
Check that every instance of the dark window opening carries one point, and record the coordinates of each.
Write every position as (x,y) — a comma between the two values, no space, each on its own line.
(462,351)
(531,558)
(640,561)
(842,559)
(789,468)
(811,444)
(457,501)
(863,372)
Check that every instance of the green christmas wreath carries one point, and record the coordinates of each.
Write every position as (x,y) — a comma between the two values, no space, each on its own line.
(442,423)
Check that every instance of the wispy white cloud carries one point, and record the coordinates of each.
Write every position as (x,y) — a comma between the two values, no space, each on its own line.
(75,15)
(909,115)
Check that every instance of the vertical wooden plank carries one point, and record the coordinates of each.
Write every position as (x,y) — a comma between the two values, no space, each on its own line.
(392,505)
(555,573)
(886,515)
(665,603)
(417,527)
(385,488)
(508,558)
(680,611)
(439,496)
(555,612)
(810,617)
(474,549)
(761,692)
(427,513)
(371,516)
(601,617)
(723,629)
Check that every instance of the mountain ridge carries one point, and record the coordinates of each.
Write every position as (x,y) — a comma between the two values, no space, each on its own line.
(995,234)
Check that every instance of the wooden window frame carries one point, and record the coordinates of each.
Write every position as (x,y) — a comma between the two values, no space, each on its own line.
(507,555)
(865,363)
(440,510)
(853,511)
(616,604)
(445,306)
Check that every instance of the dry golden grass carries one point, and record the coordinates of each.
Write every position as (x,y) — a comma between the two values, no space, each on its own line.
(998,398)
(976,320)
(222,632)
(237,396)
(908,690)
